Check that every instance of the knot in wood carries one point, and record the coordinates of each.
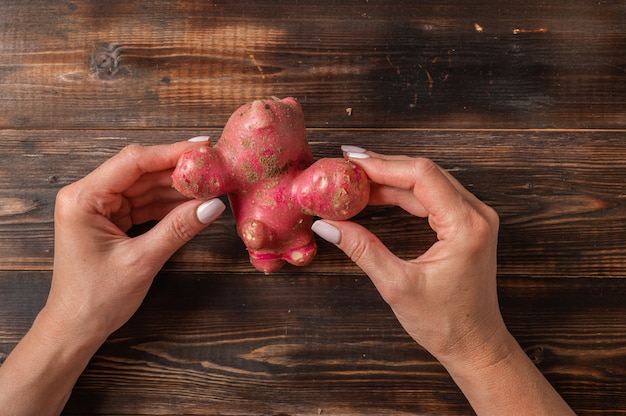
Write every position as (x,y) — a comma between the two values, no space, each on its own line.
(536,354)
(106,61)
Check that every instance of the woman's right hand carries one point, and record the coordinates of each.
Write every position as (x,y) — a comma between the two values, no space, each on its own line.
(446,298)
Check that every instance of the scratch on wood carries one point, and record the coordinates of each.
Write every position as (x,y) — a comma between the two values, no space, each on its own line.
(517,31)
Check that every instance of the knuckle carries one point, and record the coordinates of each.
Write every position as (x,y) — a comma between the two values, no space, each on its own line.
(66,200)
(132,151)
(483,229)
(64,194)
(423,166)
(492,217)
(132,156)
(489,220)
(358,250)
(181,229)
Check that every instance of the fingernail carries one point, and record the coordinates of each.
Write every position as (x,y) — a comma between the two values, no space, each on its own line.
(199,139)
(357,155)
(210,210)
(352,149)
(327,231)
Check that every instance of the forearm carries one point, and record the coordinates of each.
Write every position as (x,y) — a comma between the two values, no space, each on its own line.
(39,374)
(508,385)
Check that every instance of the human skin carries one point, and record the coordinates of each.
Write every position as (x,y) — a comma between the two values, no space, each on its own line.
(101,275)
(446,298)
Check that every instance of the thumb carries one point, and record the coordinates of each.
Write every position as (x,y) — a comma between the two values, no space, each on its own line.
(363,248)
(179,226)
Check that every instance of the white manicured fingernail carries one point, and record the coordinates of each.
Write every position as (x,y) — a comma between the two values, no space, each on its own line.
(352,149)
(355,155)
(210,210)
(327,231)
(199,139)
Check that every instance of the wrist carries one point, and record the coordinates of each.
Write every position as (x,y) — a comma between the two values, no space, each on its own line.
(39,374)
(479,349)
(498,378)
(71,333)
(468,346)
(480,354)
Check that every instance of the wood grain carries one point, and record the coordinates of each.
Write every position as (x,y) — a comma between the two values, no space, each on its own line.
(186,64)
(524,102)
(293,344)
(559,195)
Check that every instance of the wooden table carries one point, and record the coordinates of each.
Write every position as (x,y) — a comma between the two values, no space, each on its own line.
(525,102)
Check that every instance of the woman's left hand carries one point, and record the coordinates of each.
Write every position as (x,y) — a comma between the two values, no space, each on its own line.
(101,275)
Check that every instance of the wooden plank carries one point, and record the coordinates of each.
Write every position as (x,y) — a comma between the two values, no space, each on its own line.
(189,64)
(205,343)
(525,102)
(559,195)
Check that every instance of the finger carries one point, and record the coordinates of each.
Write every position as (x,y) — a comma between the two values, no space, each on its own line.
(469,196)
(422,177)
(364,249)
(390,195)
(121,217)
(153,212)
(178,227)
(381,194)
(149,181)
(371,154)
(152,204)
(157,196)
(388,157)
(358,152)
(451,212)
(118,173)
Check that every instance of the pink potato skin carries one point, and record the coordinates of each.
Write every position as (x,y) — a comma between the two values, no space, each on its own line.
(264,163)
(333,189)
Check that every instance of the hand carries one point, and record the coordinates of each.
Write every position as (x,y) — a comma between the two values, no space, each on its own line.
(447,296)
(101,275)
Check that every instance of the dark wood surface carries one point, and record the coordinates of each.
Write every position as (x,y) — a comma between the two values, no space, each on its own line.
(525,102)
